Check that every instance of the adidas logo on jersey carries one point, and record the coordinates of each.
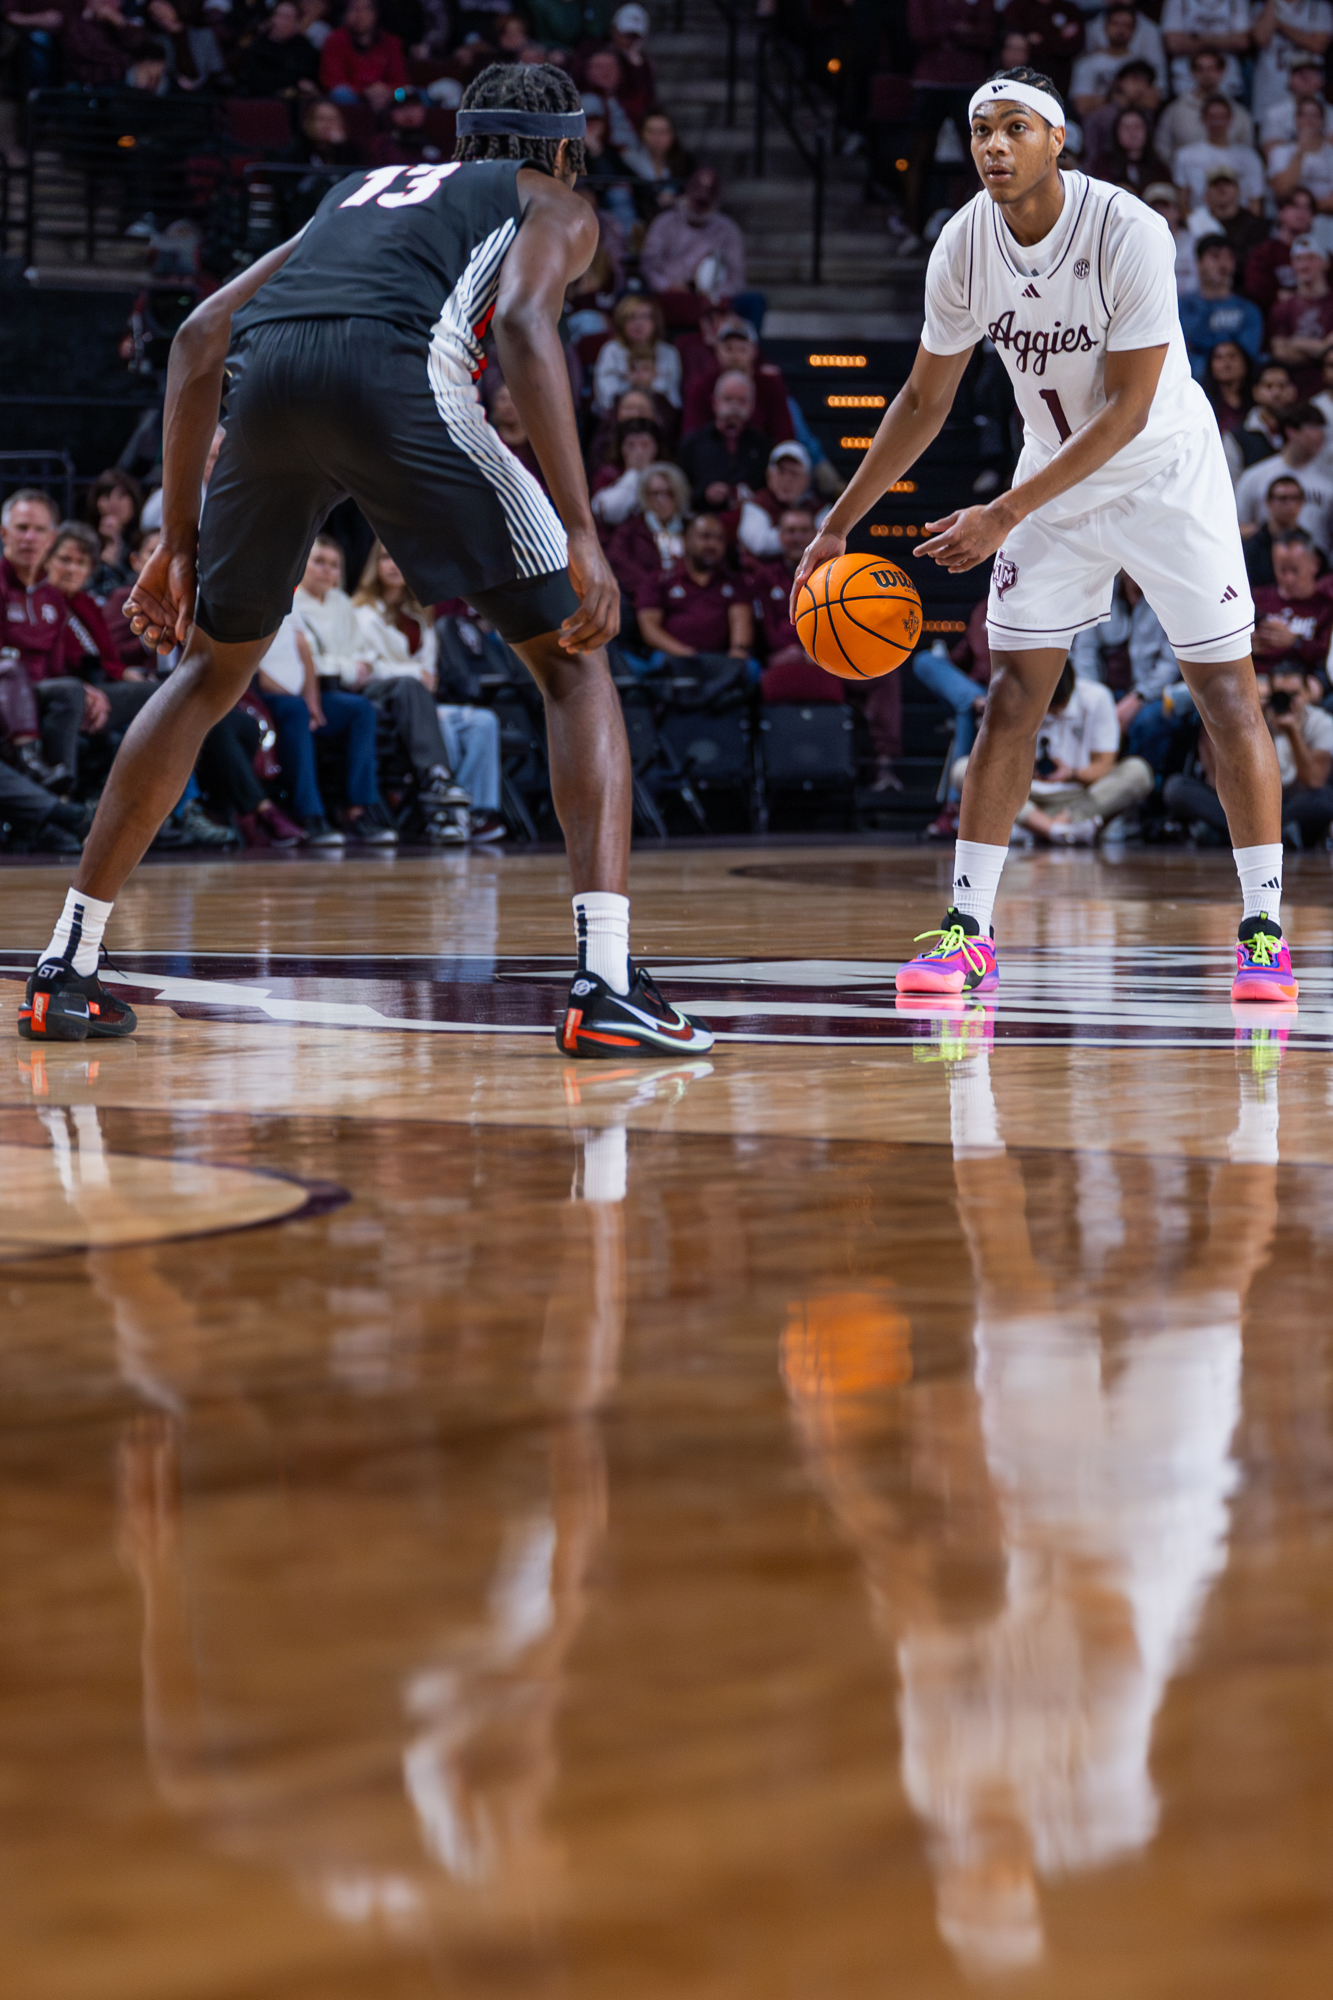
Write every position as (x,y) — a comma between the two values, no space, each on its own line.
(1031,292)
(1228,594)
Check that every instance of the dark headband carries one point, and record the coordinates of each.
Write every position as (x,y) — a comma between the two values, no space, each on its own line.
(521,124)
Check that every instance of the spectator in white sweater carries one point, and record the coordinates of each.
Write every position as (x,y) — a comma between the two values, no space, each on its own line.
(398,636)
(638,324)
(342,654)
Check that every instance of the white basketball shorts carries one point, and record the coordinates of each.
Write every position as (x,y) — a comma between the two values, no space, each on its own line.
(1177,536)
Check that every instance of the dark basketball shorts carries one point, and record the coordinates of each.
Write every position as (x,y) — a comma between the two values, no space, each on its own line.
(320,409)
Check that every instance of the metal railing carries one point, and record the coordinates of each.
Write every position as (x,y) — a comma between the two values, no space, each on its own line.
(781,88)
(99,161)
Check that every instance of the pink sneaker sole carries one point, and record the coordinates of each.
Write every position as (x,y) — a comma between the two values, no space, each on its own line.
(1255,986)
(914,978)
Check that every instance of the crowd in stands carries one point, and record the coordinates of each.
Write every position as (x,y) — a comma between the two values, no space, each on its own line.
(368,721)
(1217,115)
(371,720)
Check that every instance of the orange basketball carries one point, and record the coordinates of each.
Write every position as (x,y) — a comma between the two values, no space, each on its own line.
(859,617)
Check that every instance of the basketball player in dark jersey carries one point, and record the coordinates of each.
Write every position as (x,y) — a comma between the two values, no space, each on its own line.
(352,355)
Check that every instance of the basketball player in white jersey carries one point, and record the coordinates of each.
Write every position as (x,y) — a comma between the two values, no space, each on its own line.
(1122,468)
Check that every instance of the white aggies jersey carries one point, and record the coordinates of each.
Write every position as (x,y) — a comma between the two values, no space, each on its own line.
(1103,281)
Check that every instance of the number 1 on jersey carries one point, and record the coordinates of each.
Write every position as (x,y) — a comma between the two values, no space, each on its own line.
(1058,417)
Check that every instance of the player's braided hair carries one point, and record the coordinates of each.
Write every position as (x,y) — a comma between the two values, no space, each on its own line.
(1023,74)
(520,87)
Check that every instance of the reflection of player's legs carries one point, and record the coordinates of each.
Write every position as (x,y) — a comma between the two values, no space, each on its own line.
(999,775)
(65,999)
(590,775)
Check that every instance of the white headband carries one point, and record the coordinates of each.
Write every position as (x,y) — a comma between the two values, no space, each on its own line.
(1036,100)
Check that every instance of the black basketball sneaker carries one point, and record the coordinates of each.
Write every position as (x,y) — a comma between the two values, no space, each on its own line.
(63,1006)
(611,1026)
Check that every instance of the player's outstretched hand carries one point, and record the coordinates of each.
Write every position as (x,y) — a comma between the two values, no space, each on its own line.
(823,549)
(161,604)
(962,540)
(597,619)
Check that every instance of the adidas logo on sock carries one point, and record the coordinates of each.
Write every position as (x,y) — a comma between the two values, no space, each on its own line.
(1228,594)
(1031,292)
(962,883)
(1274,884)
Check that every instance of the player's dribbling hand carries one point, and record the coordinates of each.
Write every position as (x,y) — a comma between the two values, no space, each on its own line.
(161,605)
(597,619)
(962,540)
(823,549)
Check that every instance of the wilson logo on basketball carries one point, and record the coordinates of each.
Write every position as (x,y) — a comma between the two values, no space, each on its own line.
(1036,346)
(891,579)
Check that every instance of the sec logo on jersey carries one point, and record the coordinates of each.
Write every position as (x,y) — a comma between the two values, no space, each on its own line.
(1081,267)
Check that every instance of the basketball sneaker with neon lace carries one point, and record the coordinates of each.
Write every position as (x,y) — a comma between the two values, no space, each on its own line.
(960,960)
(62,1006)
(610,1026)
(1263,963)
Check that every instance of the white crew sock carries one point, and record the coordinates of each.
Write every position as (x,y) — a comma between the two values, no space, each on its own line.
(601,925)
(976,877)
(1260,871)
(82,922)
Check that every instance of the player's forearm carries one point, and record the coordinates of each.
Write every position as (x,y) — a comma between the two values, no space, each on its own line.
(194,394)
(190,416)
(1117,424)
(533,364)
(908,427)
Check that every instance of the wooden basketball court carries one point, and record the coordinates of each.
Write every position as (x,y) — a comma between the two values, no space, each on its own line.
(846,1516)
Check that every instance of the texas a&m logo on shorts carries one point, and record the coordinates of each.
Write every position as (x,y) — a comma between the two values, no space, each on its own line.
(1004,574)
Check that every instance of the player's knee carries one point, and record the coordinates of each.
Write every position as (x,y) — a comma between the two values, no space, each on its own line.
(1227,699)
(560,674)
(1011,708)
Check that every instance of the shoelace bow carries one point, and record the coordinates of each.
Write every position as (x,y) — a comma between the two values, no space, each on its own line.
(1262,948)
(955,938)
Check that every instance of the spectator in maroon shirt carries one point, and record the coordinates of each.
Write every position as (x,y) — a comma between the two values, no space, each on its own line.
(1268,271)
(696,609)
(1300,326)
(736,348)
(360,61)
(953,41)
(110,702)
(789,672)
(32,622)
(90,652)
(1295,616)
(1054,30)
(651,540)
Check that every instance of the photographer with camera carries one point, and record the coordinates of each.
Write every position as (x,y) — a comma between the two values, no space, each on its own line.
(1302,734)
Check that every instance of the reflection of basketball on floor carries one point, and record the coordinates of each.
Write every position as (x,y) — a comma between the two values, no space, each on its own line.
(858,616)
(838,1346)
